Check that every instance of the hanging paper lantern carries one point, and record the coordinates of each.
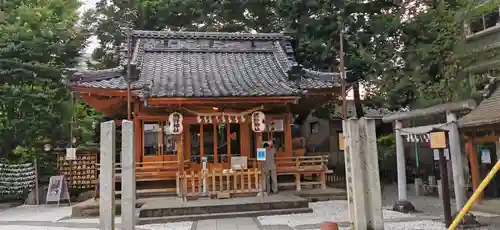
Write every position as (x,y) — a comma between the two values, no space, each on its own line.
(198,118)
(258,121)
(175,120)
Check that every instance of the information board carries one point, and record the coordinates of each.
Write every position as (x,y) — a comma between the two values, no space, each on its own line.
(58,190)
(485,156)
(261,154)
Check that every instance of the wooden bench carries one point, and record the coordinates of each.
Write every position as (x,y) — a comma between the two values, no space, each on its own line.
(302,166)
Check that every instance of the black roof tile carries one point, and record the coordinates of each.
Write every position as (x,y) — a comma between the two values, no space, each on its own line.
(196,64)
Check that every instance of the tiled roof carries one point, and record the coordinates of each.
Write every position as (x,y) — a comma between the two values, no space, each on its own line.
(488,110)
(199,64)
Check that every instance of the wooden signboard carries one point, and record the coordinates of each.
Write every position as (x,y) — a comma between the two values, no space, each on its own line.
(58,190)
(341,141)
(438,140)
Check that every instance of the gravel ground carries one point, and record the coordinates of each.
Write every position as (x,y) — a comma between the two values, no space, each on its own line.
(56,218)
(322,211)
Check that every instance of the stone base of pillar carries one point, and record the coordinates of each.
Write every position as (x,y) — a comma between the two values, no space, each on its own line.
(468,221)
(403,206)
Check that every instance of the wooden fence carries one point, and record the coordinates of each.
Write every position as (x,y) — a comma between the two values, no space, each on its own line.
(233,182)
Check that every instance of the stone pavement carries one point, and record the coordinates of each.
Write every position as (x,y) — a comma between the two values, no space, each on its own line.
(247,223)
(57,218)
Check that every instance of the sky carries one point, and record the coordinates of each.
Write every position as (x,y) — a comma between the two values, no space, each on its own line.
(89,4)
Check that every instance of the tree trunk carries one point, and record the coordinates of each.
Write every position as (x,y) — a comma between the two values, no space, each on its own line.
(357,100)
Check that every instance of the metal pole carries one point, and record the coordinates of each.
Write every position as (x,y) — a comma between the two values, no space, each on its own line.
(475,196)
(37,191)
(445,188)
(342,76)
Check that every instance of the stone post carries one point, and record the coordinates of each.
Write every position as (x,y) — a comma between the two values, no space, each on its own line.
(418,186)
(402,205)
(362,174)
(128,176)
(107,177)
(456,161)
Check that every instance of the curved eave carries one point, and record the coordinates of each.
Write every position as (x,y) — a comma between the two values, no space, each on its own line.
(100,91)
(218,100)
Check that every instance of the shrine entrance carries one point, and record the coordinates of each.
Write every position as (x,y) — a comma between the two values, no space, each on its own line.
(158,145)
(218,142)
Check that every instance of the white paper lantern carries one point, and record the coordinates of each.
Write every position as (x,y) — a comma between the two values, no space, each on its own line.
(175,126)
(258,121)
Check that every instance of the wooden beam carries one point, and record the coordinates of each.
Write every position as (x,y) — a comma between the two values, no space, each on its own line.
(187,141)
(288,133)
(488,139)
(182,101)
(180,153)
(202,142)
(228,131)
(473,164)
(137,131)
(216,159)
(101,92)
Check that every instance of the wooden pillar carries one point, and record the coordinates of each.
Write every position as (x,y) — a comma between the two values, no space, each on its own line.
(216,155)
(137,133)
(180,153)
(202,144)
(228,137)
(245,136)
(474,166)
(288,133)
(258,141)
(187,142)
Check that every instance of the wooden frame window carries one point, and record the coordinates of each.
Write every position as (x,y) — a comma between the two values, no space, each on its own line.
(156,139)
(485,21)
(275,131)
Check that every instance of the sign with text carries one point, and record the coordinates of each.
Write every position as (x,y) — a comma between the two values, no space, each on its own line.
(485,156)
(438,140)
(58,190)
(261,154)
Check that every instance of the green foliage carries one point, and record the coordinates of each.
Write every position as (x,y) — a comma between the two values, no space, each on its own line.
(436,58)
(315,24)
(326,111)
(410,56)
(386,146)
(38,40)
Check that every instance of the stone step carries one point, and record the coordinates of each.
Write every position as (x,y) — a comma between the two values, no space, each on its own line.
(162,209)
(194,217)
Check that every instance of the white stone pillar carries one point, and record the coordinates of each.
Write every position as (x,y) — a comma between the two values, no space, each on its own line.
(363,182)
(402,205)
(456,161)
(373,192)
(107,177)
(400,161)
(128,176)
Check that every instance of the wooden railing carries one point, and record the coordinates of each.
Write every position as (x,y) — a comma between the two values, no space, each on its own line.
(232,182)
(152,171)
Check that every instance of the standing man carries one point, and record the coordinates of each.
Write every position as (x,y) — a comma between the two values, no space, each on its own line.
(270,169)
